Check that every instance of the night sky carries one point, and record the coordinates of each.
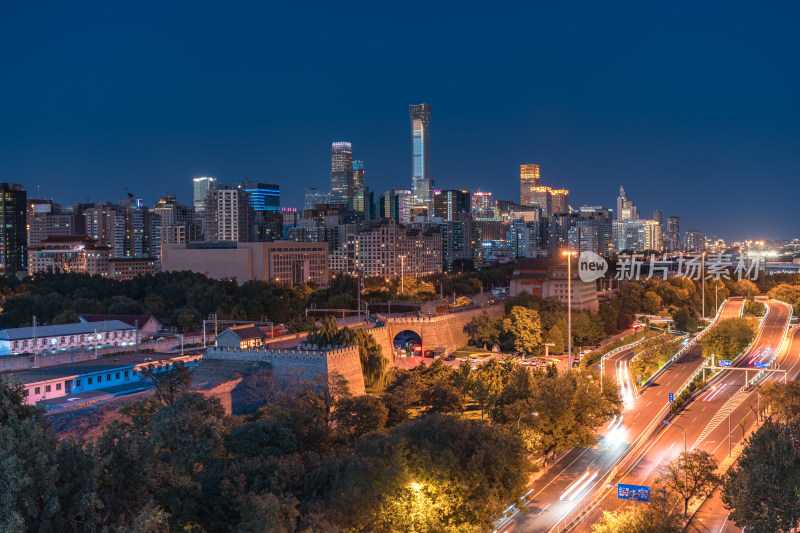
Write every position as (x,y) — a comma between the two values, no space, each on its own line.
(696,111)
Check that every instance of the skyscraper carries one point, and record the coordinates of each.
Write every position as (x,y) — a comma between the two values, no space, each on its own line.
(358,175)
(528,177)
(673,234)
(342,183)
(542,197)
(625,208)
(447,205)
(695,241)
(484,206)
(559,200)
(658,216)
(421,182)
(201,187)
(314,197)
(228,215)
(13,229)
(263,196)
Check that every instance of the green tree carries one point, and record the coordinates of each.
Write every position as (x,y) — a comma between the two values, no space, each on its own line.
(556,337)
(404,482)
(443,397)
(524,326)
(357,415)
(484,330)
(169,384)
(787,293)
(692,475)
(728,338)
(762,490)
(783,399)
(684,319)
(487,384)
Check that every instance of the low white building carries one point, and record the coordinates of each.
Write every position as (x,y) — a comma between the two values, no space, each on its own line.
(51,339)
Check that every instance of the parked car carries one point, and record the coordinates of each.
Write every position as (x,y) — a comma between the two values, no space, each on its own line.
(543,363)
(450,357)
(576,364)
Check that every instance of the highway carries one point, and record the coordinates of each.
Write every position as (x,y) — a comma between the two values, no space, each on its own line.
(705,419)
(562,490)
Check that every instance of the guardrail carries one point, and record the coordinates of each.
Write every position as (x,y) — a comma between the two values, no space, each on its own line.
(780,344)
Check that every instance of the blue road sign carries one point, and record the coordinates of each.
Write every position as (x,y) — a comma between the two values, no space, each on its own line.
(637,493)
(724,362)
(761,364)
(640,379)
(671,397)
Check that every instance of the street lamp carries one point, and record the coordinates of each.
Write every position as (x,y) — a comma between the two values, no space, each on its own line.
(402,273)
(703,278)
(535,413)
(569,254)
(685,471)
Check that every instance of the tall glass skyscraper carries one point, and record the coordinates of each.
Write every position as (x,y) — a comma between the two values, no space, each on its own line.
(13,229)
(263,196)
(342,183)
(421,182)
(201,187)
(358,175)
(528,177)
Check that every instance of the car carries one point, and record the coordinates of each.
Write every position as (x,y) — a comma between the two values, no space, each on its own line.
(450,357)
(576,364)
(543,363)
(598,345)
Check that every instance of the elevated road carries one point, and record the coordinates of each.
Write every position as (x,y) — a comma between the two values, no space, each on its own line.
(705,419)
(561,492)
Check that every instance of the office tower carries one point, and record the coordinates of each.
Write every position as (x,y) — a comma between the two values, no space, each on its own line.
(658,216)
(637,235)
(396,204)
(176,223)
(263,196)
(314,197)
(448,204)
(695,241)
(541,197)
(142,229)
(358,175)
(201,187)
(44,218)
(461,242)
(484,206)
(594,230)
(625,208)
(13,229)
(421,182)
(528,177)
(106,224)
(559,201)
(228,215)
(291,216)
(363,204)
(672,234)
(342,185)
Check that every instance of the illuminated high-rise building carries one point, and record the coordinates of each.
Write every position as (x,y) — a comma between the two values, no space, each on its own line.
(542,197)
(559,201)
(421,182)
(484,206)
(201,187)
(314,197)
(342,182)
(263,196)
(626,210)
(673,234)
(528,177)
(13,230)
(358,175)
(447,205)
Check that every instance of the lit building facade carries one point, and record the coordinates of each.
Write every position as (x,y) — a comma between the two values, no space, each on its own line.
(45,218)
(228,215)
(528,177)
(695,241)
(262,196)
(559,201)
(14,229)
(449,204)
(484,206)
(342,178)
(358,175)
(69,254)
(388,249)
(421,182)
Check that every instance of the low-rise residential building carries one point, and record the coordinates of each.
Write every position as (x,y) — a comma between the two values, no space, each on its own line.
(146,324)
(242,337)
(49,339)
(88,380)
(284,262)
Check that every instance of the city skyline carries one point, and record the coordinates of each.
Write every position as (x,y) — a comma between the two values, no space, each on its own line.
(578,99)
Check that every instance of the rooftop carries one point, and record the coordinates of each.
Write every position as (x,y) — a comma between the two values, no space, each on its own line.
(106,364)
(78,328)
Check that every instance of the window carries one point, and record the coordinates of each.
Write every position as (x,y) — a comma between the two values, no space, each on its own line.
(77,383)
(58,386)
(25,392)
(108,377)
(116,376)
(126,373)
(47,388)
(37,390)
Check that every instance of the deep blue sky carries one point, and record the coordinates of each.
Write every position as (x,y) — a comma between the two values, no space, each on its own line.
(696,110)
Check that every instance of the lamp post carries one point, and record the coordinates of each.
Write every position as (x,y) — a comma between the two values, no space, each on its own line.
(703,282)
(569,254)
(685,472)
(402,273)
(535,413)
